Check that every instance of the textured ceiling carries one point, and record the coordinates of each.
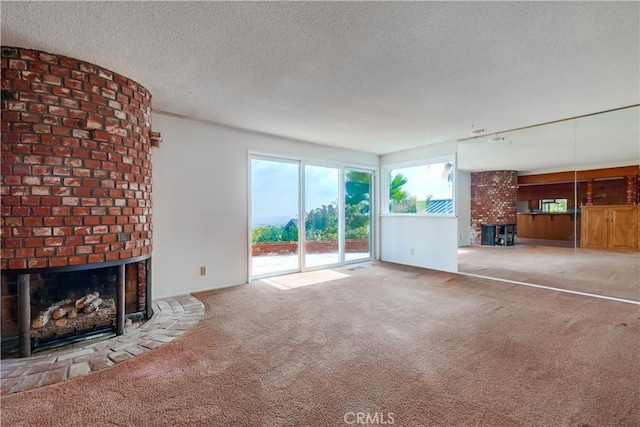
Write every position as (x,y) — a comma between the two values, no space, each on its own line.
(379,77)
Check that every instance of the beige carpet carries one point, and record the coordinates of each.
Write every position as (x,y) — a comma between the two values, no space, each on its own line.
(433,349)
(609,273)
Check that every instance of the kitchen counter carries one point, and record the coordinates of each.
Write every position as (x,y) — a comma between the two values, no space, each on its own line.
(548,225)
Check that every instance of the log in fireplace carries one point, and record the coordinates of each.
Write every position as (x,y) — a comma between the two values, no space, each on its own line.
(76,200)
(59,306)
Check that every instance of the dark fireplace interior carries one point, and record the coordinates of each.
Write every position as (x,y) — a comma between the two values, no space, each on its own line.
(72,306)
(66,290)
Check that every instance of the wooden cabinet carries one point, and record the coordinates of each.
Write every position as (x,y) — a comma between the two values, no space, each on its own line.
(610,227)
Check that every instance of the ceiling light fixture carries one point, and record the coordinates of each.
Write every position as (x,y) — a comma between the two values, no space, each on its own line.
(475,132)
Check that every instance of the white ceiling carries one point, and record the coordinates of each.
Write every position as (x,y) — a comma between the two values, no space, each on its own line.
(373,76)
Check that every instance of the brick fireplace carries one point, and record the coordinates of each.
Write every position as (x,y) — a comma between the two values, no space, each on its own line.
(494,200)
(76,195)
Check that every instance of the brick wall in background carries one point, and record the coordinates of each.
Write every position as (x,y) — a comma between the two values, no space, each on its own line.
(494,196)
(76,162)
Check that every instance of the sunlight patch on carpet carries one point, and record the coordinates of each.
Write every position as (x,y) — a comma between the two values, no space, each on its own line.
(297,280)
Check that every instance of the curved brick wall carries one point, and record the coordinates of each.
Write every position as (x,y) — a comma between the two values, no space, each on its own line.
(76,162)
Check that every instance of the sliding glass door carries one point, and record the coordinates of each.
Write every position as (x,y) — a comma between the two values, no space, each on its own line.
(275,207)
(334,202)
(321,213)
(357,214)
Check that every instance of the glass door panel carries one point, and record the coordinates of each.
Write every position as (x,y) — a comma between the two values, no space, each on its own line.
(322,230)
(357,215)
(275,190)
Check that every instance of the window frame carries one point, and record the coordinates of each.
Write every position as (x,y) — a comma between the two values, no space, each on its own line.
(385,178)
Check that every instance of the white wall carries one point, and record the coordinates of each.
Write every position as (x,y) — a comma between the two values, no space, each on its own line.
(429,242)
(463,204)
(200,200)
(420,241)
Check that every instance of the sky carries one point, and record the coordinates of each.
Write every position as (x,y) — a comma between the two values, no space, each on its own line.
(275,188)
(420,184)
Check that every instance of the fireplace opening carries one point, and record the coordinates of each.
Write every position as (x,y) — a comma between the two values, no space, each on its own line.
(65,307)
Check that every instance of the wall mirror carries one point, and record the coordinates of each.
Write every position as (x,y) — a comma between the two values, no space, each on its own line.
(571,189)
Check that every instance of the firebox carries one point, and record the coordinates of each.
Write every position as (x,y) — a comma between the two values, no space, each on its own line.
(49,308)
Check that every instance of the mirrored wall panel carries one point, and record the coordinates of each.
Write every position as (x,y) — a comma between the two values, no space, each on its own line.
(557,204)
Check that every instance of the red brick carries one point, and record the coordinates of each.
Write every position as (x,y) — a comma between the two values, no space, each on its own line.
(54,161)
(61,91)
(33,242)
(30,117)
(70,142)
(30,200)
(52,79)
(91,220)
(77,114)
(45,252)
(33,221)
(57,111)
(17,263)
(77,259)
(36,160)
(95,258)
(101,248)
(25,169)
(53,221)
(72,123)
(41,170)
(63,231)
(61,130)
(84,249)
(46,57)
(42,231)
(16,64)
(73,84)
(70,201)
(37,263)
(14,179)
(112,256)
(61,170)
(41,149)
(59,71)
(12,242)
(58,262)
(61,210)
(20,231)
(51,120)
(69,63)
(40,88)
(73,220)
(25,253)
(67,249)
(81,172)
(51,180)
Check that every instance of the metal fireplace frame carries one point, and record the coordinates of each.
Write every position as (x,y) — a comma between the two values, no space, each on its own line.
(24,296)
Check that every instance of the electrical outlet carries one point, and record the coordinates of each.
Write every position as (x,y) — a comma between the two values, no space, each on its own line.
(412,251)
(203,271)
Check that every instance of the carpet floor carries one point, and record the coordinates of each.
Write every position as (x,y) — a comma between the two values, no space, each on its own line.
(419,347)
(600,272)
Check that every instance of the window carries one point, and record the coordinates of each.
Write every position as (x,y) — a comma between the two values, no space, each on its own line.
(424,188)
(553,205)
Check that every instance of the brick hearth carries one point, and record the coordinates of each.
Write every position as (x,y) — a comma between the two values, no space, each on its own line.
(172,317)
